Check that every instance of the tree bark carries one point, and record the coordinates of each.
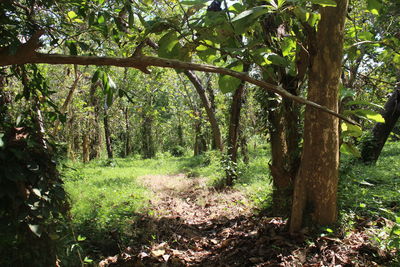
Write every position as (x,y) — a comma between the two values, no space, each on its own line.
(68,99)
(233,132)
(208,107)
(372,147)
(148,150)
(127,133)
(315,192)
(107,133)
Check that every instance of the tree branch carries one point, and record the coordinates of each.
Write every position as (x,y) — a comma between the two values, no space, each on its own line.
(142,62)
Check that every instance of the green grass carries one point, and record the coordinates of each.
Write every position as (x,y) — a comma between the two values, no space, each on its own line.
(372,190)
(106,196)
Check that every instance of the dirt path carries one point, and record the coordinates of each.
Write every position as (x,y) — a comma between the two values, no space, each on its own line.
(193,225)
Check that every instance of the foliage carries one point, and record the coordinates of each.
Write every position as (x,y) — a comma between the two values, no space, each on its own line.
(373,192)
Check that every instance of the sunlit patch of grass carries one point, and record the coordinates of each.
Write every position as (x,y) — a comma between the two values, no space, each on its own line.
(372,190)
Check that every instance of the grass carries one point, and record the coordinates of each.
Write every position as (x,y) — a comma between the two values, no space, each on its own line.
(372,190)
(106,196)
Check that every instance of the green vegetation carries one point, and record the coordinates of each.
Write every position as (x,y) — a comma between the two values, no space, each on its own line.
(107,196)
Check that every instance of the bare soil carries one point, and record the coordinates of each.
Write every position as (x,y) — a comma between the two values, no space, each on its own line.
(195,225)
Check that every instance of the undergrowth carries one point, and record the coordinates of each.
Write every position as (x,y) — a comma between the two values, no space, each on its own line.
(371,194)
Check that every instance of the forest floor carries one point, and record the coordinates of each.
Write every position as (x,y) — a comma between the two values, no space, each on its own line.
(193,224)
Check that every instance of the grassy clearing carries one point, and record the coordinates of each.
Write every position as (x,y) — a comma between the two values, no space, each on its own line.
(108,197)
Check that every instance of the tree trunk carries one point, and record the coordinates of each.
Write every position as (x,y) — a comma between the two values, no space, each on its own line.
(127,133)
(96,137)
(233,132)
(372,147)
(148,150)
(315,192)
(107,133)
(68,99)
(200,144)
(85,148)
(208,107)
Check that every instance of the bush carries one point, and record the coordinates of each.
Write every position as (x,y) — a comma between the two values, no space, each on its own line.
(177,151)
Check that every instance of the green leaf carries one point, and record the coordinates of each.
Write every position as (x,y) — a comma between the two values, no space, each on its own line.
(362,205)
(369,114)
(324,2)
(351,130)
(349,149)
(101,19)
(362,102)
(169,46)
(374,6)
(288,46)
(36,229)
(96,76)
(87,260)
(301,14)
(228,83)
(253,13)
(278,60)
(194,2)
(71,15)
(81,238)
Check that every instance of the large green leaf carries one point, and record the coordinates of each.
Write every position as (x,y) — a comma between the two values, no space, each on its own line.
(362,102)
(369,114)
(228,83)
(248,17)
(169,46)
(351,130)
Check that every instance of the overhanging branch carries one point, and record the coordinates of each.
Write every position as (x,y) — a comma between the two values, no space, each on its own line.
(142,62)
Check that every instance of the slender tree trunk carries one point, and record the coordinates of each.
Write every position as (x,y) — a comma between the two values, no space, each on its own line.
(180,135)
(372,147)
(233,132)
(200,144)
(148,150)
(315,192)
(127,133)
(208,107)
(96,137)
(85,148)
(68,99)
(107,133)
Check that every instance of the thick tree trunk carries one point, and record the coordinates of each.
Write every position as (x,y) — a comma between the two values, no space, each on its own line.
(372,147)
(315,192)
(208,107)
(107,134)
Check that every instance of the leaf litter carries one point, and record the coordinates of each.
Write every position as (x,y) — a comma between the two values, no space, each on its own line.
(195,225)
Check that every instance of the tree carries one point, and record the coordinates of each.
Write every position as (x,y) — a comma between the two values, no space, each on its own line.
(315,192)
(371,148)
